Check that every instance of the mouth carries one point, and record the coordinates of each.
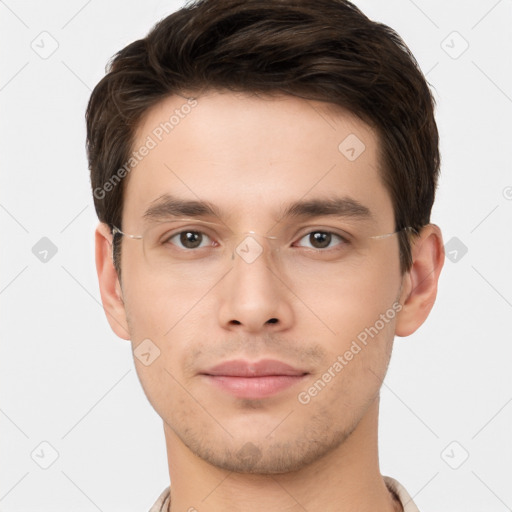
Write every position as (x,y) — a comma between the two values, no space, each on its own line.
(253,380)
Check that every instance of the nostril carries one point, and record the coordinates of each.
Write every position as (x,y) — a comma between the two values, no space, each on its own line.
(272,321)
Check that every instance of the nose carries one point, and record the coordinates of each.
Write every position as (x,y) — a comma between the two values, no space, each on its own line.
(253,297)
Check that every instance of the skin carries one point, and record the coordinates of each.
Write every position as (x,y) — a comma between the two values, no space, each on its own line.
(250,156)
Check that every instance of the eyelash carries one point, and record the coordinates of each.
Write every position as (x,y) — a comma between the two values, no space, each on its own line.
(343,240)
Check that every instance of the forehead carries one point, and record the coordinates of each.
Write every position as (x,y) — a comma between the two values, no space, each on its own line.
(252,154)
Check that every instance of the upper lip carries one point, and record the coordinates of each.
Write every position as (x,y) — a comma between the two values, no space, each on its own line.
(263,368)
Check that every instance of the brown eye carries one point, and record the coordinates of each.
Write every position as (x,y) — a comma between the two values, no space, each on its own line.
(322,240)
(189,239)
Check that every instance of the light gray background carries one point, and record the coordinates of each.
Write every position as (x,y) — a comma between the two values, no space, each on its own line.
(68,381)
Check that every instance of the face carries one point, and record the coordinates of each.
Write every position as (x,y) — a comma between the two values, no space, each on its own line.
(268,365)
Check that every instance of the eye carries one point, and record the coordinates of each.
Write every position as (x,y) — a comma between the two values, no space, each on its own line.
(322,239)
(189,239)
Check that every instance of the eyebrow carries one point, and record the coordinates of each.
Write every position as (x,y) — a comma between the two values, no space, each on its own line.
(331,206)
(167,206)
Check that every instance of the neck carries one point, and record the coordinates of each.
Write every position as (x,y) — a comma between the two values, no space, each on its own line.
(346,479)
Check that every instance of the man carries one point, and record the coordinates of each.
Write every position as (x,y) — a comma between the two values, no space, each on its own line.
(263,173)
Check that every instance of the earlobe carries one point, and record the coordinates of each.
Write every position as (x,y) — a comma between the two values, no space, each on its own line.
(419,285)
(110,288)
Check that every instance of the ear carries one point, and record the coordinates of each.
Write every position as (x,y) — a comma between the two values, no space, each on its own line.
(419,284)
(110,288)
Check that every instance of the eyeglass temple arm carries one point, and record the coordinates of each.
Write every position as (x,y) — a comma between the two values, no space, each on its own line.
(407,228)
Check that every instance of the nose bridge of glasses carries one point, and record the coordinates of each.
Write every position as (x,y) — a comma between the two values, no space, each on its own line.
(259,235)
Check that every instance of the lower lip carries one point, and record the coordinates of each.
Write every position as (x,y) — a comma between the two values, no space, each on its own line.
(254,387)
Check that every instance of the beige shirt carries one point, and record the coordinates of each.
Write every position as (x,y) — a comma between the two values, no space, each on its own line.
(163,502)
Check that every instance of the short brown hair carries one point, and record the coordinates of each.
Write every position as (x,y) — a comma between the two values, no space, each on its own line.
(324,50)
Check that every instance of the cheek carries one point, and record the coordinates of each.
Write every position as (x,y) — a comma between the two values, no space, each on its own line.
(161,323)
(355,365)
(360,314)
(160,384)
(354,301)
(152,308)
